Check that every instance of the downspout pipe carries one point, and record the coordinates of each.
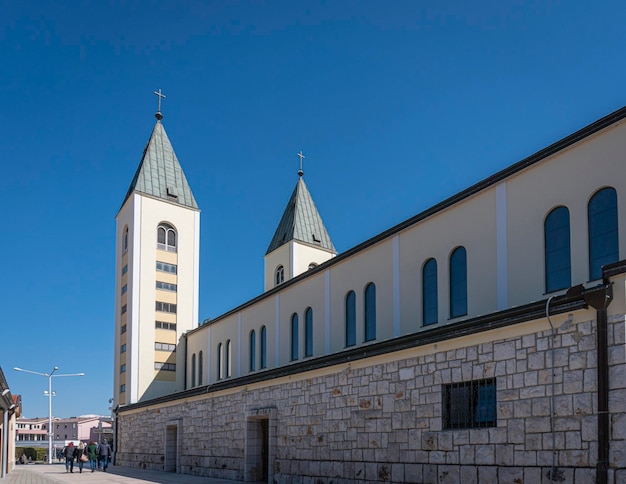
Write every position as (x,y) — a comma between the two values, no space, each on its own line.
(554,469)
(5,437)
(600,301)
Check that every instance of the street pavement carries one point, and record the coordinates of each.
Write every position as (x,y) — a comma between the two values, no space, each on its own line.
(55,474)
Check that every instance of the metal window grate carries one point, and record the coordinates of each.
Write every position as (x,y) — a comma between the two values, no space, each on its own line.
(470,404)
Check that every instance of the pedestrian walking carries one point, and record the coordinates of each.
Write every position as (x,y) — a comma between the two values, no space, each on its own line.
(92,453)
(81,457)
(104,454)
(69,457)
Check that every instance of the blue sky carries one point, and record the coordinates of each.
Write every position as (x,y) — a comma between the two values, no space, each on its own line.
(396,105)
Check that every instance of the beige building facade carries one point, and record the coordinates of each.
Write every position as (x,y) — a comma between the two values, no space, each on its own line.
(480,340)
(157,261)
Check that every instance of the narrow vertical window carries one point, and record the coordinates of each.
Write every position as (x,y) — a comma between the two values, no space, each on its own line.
(279,275)
(252,350)
(263,348)
(308,332)
(370,312)
(430,308)
(200,368)
(229,359)
(294,337)
(350,319)
(220,357)
(193,370)
(557,250)
(458,282)
(125,240)
(603,235)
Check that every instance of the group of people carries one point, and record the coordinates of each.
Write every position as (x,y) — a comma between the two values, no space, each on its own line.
(97,455)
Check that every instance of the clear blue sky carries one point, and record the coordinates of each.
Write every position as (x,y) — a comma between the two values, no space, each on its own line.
(396,105)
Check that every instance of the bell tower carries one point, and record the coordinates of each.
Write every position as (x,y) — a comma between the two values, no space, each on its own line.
(156,274)
(301,240)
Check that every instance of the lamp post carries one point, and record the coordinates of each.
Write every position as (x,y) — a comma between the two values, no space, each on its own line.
(49,376)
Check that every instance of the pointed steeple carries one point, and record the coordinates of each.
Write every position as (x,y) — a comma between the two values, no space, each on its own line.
(301,222)
(159,173)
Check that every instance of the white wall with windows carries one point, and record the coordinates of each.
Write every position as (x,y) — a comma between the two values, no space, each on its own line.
(519,236)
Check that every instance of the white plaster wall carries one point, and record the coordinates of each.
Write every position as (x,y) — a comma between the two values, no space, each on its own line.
(143,214)
(569,178)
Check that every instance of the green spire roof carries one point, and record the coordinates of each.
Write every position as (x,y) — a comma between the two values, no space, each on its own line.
(159,173)
(302,222)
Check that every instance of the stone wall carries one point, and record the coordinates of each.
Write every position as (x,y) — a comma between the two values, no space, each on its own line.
(383,422)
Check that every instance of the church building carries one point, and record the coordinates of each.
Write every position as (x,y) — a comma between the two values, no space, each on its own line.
(481,340)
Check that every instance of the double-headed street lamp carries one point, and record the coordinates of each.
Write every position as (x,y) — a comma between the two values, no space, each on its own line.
(50,394)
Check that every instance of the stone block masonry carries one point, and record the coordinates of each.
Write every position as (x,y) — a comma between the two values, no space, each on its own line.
(382,420)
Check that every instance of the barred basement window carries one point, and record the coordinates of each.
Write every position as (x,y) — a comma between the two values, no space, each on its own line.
(469,405)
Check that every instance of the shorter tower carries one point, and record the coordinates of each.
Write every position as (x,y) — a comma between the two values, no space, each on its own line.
(157,264)
(300,242)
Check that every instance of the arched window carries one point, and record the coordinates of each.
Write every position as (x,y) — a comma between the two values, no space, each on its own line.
(193,370)
(430,307)
(557,250)
(279,276)
(252,350)
(294,337)
(350,319)
(603,235)
(166,237)
(200,366)
(308,332)
(370,312)
(312,265)
(263,348)
(458,282)
(125,240)
(228,362)
(220,357)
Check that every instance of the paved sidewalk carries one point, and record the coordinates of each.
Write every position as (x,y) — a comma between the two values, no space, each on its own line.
(55,474)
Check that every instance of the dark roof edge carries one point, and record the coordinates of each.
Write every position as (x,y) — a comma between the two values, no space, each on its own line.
(579,135)
(540,155)
(500,319)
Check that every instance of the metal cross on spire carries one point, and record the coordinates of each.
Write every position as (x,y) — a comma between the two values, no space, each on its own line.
(160,95)
(300,172)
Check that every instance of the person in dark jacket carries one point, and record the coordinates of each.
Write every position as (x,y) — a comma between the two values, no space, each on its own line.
(78,453)
(92,453)
(69,457)
(104,455)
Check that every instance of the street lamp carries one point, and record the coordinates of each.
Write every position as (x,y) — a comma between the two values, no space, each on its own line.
(50,395)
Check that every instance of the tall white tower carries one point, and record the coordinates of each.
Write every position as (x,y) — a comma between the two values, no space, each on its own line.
(301,241)
(156,275)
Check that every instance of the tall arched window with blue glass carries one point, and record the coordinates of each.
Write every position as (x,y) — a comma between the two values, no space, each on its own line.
(193,370)
(558,258)
(370,312)
(458,282)
(430,307)
(350,319)
(252,350)
(294,337)
(263,361)
(308,332)
(603,235)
